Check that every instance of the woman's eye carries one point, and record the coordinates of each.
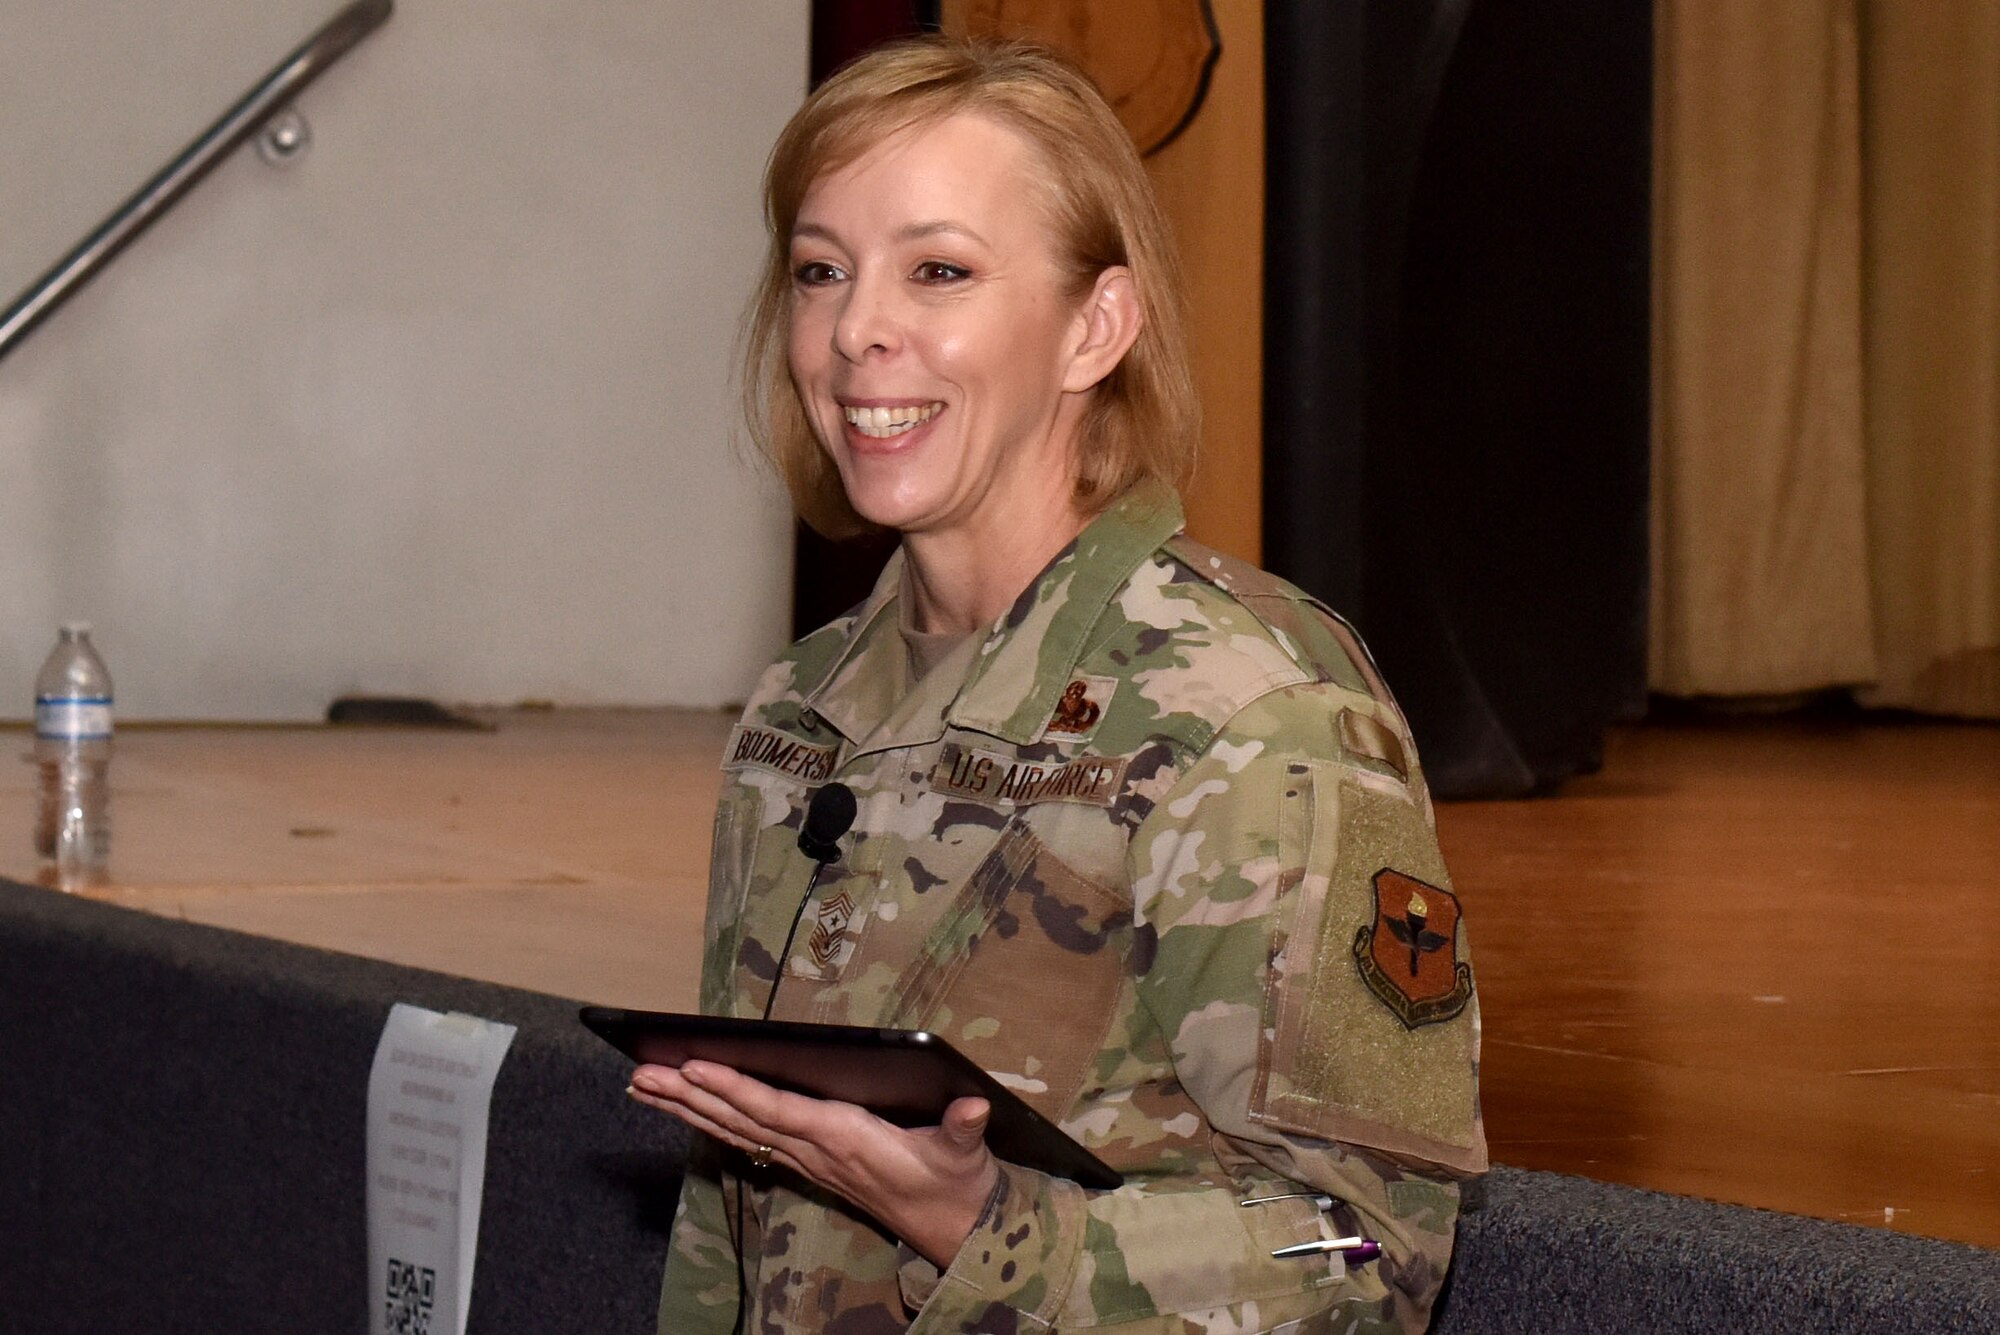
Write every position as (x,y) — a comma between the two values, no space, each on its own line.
(815,273)
(938,271)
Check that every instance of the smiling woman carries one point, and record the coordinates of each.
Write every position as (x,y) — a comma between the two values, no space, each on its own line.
(1095,211)
(1138,827)
(922,348)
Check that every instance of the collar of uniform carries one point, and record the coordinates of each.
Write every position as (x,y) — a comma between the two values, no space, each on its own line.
(1029,654)
(867,677)
(1024,661)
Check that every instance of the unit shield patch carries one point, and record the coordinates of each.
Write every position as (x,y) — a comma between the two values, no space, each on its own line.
(1409,955)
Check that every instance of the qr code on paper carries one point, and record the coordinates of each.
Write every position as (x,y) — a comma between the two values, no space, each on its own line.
(411,1294)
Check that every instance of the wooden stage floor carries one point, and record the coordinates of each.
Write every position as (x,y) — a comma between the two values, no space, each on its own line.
(1756,961)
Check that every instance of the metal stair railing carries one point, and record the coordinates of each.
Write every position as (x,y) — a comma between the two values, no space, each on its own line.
(334,39)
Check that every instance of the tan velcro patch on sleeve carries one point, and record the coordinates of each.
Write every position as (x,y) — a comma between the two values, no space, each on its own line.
(1338,1060)
(1366,736)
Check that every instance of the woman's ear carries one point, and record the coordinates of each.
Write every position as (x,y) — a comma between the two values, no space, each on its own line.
(1107,326)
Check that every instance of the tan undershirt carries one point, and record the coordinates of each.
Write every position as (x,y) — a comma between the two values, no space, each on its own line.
(926,649)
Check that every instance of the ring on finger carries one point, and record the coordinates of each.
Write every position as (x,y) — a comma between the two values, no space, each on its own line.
(761,1156)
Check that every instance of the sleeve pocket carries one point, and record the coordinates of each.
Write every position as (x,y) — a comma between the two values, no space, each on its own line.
(1370,1030)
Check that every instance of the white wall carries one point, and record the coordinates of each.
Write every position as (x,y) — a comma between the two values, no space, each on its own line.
(442,408)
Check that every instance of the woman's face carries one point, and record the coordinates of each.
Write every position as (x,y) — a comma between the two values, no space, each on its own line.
(931,341)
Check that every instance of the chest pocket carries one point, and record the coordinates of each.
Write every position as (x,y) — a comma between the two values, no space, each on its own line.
(757,821)
(1022,972)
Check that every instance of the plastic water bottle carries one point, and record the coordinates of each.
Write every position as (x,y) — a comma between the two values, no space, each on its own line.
(73,753)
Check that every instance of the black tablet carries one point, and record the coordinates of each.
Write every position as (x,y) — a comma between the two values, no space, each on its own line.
(905,1076)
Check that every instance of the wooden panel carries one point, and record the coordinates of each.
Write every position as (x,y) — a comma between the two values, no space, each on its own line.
(1211,182)
(1150,58)
(1210,179)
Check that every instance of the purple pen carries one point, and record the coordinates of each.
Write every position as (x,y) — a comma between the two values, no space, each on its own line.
(1357,1250)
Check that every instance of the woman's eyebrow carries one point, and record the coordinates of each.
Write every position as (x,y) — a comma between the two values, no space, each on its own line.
(916,231)
(813,231)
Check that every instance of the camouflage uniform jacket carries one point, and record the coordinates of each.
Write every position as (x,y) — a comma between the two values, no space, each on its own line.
(1161,860)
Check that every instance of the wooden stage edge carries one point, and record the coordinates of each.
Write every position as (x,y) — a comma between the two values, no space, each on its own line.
(1756,961)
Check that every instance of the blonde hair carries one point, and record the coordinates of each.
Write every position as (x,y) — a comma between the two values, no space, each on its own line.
(1144,419)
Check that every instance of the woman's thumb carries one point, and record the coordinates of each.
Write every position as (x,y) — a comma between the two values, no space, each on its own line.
(965,1122)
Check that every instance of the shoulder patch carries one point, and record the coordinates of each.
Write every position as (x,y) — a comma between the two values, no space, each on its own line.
(1356,1046)
(1408,955)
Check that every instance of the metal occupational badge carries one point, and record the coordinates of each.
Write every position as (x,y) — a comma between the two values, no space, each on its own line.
(1078,709)
(1409,955)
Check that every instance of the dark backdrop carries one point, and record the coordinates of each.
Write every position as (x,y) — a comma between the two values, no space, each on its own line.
(1457,361)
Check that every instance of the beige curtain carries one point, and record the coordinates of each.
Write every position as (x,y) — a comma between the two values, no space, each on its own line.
(1827,350)
(1931,167)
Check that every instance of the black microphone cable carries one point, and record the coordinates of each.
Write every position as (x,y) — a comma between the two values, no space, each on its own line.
(829,815)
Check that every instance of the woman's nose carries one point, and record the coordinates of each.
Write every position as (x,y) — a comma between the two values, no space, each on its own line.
(867,321)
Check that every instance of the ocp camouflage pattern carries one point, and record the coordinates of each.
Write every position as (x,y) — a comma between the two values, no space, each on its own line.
(1134,900)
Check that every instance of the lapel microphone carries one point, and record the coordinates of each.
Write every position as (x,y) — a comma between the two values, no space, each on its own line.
(829,815)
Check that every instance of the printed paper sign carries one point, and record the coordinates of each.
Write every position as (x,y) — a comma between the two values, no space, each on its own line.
(428,1097)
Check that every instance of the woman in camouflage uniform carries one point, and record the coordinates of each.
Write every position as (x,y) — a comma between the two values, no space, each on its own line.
(1139,828)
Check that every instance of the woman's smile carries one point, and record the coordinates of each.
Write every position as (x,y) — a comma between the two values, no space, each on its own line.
(885,428)
(931,334)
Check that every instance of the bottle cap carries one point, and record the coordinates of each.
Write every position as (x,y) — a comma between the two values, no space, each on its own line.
(77,628)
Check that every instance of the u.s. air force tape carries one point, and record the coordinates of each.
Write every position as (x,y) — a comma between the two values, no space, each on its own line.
(993,776)
(767,748)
